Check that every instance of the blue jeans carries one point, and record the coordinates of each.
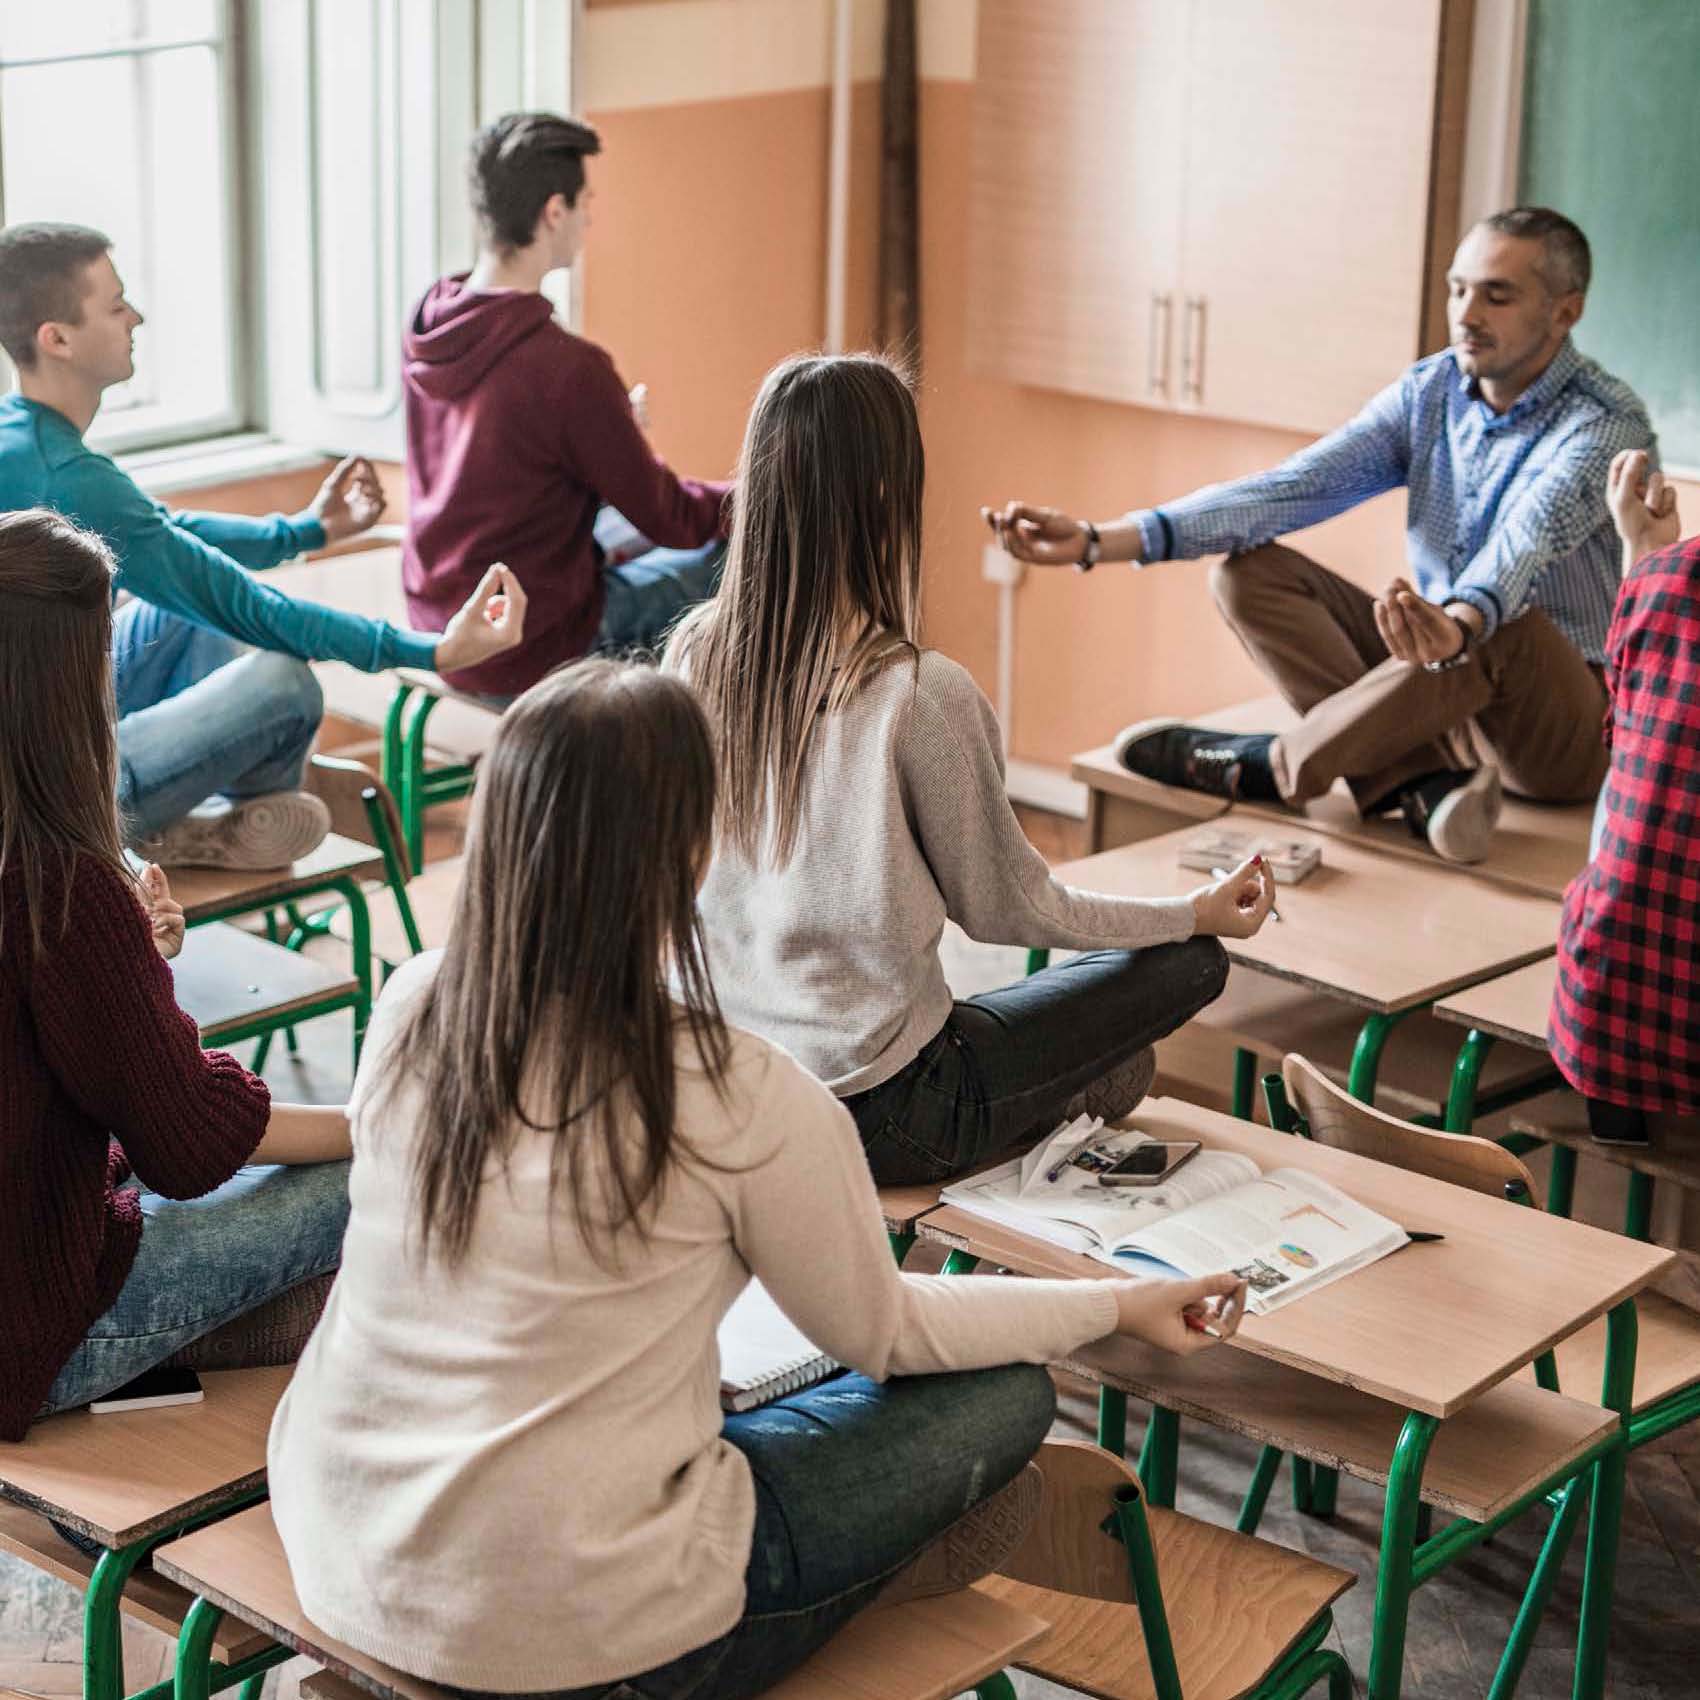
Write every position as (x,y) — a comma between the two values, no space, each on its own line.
(852,1480)
(203,1261)
(1006,1062)
(201,715)
(643,596)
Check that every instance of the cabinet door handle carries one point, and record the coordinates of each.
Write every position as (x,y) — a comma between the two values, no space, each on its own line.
(1157,343)
(1192,351)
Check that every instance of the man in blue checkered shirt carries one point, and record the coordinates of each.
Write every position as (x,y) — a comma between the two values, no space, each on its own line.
(1483,659)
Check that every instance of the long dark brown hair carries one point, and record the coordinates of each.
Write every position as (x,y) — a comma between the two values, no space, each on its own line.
(552,1010)
(822,583)
(58,749)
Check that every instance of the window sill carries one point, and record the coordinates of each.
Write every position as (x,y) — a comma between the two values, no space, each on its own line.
(216,460)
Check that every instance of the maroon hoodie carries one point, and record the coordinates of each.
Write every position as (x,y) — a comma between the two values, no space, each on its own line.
(517,432)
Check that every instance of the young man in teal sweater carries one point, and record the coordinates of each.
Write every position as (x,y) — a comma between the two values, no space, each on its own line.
(217,705)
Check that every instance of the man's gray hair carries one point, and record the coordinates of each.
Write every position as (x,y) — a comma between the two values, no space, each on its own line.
(1566,263)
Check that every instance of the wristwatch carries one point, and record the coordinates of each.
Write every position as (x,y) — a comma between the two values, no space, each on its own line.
(1460,656)
(1089,556)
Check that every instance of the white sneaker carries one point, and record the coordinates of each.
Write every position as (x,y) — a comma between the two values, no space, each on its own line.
(257,832)
(1459,822)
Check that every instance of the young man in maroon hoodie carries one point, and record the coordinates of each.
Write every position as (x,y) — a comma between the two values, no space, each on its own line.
(520,435)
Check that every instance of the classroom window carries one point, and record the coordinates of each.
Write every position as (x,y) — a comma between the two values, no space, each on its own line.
(121,114)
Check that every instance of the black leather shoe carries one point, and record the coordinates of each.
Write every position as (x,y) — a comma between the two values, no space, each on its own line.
(1196,758)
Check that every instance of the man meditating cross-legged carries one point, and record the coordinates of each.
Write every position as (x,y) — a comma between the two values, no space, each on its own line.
(1483,661)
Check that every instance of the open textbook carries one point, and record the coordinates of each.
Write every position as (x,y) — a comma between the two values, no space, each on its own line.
(1287,1232)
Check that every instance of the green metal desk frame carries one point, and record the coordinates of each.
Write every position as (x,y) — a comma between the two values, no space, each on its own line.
(403,766)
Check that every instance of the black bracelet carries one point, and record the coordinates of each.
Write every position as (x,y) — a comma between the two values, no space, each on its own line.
(1090,555)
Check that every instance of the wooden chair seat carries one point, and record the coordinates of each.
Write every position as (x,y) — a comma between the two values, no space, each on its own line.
(227,978)
(1236,1606)
(925,1650)
(148,1598)
(129,1475)
(1561,1118)
(219,891)
(1667,1352)
(1272,1017)
(432,897)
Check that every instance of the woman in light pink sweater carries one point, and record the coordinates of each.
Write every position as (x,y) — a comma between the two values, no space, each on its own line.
(502,1463)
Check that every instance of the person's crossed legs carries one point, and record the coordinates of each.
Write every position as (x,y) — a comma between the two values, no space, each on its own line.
(1526,708)
(201,716)
(643,597)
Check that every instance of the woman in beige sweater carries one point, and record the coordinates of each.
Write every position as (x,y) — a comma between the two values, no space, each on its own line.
(862,804)
(502,1463)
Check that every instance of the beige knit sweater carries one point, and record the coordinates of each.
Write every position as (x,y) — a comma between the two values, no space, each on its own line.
(511,1477)
(906,822)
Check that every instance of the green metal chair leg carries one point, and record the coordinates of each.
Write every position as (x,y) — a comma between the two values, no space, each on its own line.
(1366,1055)
(1638,1211)
(1300,1484)
(193,1678)
(960,1263)
(1148,1590)
(1466,1077)
(1158,1456)
(1324,1490)
(900,1244)
(997,1686)
(1245,1082)
(1112,1421)
(103,1642)
(1605,1513)
(1257,1494)
(1037,959)
(1298,1678)
(1393,1581)
(253,1688)
(1561,1182)
(1554,1549)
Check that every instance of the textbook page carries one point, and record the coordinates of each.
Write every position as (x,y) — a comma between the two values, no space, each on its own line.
(1286,1233)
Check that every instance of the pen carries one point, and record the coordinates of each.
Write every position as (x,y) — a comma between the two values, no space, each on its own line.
(1063,1162)
(1222,874)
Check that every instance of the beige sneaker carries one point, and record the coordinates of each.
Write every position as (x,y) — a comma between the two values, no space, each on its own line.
(257,832)
(973,1546)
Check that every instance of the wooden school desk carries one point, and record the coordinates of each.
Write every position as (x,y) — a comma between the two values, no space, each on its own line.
(1430,1331)
(1383,933)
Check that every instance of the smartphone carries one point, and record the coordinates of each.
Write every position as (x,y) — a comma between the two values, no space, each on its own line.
(152,1388)
(1150,1164)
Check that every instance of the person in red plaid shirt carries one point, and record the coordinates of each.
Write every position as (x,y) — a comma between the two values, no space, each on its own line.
(1624,1026)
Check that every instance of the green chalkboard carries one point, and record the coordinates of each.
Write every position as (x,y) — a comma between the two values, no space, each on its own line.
(1611,136)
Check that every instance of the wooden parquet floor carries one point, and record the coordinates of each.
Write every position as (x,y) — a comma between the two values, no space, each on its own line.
(1459,1621)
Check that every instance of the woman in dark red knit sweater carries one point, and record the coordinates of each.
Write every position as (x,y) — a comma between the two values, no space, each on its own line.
(101,1075)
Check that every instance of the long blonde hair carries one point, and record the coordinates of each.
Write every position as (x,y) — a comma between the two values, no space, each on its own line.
(822,584)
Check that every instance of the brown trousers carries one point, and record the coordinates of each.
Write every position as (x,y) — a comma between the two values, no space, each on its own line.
(1526,700)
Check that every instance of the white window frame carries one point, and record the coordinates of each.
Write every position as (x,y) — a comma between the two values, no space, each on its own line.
(149,425)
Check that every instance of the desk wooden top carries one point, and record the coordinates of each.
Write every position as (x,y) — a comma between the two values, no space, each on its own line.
(1513,1006)
(210,891)
(1431,1327)
(1378,931)
(225,976)
(129,1474)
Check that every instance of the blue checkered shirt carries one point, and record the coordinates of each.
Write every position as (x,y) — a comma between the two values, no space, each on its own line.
(1506,510)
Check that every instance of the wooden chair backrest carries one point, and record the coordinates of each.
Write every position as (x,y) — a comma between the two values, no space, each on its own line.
(1068,1548)
(339,784)
(1343,1122)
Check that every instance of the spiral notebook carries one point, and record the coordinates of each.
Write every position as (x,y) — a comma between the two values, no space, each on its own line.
(763,1355)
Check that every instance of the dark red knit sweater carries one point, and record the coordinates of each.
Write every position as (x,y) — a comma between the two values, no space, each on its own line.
(100,1071)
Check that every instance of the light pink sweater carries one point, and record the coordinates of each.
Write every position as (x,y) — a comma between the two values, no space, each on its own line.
(512,1476)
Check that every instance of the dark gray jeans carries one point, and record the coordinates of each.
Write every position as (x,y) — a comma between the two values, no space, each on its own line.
(1005,1063)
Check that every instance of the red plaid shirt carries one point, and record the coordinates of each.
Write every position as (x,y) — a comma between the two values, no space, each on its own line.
(1625,1018)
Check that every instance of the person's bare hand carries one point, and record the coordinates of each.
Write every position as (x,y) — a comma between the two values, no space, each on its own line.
(1157,1311)
(491,620)
(1643,506)
(1237,905)
(1044,537)
(349,500)
(1413,628)
(164,912)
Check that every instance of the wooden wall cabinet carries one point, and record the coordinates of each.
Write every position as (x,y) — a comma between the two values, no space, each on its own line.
(1236,208)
